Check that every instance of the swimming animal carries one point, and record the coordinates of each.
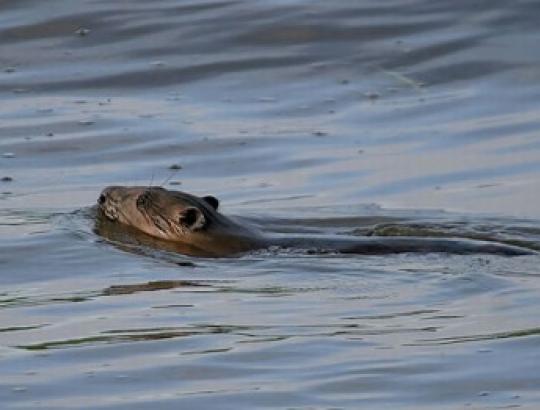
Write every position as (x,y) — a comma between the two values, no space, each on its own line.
(194,225)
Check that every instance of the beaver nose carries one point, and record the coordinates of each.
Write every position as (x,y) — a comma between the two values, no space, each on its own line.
(106,195)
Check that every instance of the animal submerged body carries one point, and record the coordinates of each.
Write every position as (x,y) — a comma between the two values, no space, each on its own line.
(196,226)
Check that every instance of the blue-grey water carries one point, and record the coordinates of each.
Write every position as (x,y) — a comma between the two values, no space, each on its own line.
(322,116)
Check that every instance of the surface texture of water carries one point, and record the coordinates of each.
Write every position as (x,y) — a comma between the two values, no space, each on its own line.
(344,114)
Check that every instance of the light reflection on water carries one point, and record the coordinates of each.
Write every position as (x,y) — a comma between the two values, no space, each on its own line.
(335,116)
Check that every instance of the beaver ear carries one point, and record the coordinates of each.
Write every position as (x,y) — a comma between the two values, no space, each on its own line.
(212,201)
(192,218)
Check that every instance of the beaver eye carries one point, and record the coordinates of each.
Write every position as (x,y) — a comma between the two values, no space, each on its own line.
(142,200)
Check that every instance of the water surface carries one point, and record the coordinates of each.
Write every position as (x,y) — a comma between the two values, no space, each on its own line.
(336,115)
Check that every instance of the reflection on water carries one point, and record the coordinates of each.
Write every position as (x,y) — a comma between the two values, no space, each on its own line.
(123,336)
(328,114)
(494,336)
(149,286)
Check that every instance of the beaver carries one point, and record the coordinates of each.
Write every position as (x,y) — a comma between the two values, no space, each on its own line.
(197,228)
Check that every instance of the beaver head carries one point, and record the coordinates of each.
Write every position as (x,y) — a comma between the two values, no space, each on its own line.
(171,215)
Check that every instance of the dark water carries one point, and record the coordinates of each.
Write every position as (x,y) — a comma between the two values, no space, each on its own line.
(344,114)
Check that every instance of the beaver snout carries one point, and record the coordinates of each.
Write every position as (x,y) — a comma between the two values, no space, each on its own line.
(108,204)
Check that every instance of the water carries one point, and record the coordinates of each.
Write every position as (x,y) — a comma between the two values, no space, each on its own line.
(341,114)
